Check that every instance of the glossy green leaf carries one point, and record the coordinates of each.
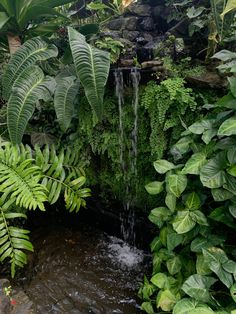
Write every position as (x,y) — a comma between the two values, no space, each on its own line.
(199,217)
(230,6)
(221,195)
(154,187)
(166,300)
(201,126)
(202,267)
(174,265)
(194,164)
(228,127)
(184,306)
(155,244)
(147,307)
(170,201)
(233,292)
(160,280)
(162,166)
(197,287)
(183,222)
(193,201)
(176,184)
(173,240)
(224,55)
(159,215)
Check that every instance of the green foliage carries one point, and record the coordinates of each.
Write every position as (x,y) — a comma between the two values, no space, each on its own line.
(114,47)
(169,105)
(194,267)
(28,179)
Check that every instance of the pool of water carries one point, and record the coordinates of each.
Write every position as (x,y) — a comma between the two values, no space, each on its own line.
(83,270)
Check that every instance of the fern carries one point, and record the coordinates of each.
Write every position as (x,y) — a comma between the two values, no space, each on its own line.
(13,239)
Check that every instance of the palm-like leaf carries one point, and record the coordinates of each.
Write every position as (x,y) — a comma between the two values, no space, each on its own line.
(65,95)
(19,179)
(13,239)
(27,90)
(33,50)
(92,67)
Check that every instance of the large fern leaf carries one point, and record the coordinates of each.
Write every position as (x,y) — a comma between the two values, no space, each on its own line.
(31,51)
(13,239)
(19,179)
(27,90)
(61,174)
(65,94)
(92,67)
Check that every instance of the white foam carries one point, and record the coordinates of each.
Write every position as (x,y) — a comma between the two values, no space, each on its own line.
(124,254)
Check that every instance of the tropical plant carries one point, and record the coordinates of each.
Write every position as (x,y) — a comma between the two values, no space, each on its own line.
(194,268)
(20,17)
(29,179)
(113,46)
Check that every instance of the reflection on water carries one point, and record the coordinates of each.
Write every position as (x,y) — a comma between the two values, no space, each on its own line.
(84,271)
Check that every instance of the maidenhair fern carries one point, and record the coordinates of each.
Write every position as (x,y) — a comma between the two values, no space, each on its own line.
(28,179)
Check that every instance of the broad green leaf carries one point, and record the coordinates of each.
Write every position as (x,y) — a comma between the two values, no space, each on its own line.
(181,147)
(65,94)
(197,287)
(202,267)
(174,265)
(92,67)
(202,310)
(183,222)
(160,280)
(230,184)
(232,170)
(224,55)
(201,126)
(193,12)
(4,18)
(228,127)
(27,90)
(193,201)
(184,306)
(220,214)
(227,101)
(232,82)
(148,289)
(199,217)
(155,244)
(212,174)
(170,201)
(162,166)
(231,155)
(159,215)
(31,51)
(154,187)
(221,195)
(166,300)
(208,135)
(147,307)
(177,183)
(216,257)
(230,6)
(232,210)
(194,164)
(200,243)
(173,240)
(233,292)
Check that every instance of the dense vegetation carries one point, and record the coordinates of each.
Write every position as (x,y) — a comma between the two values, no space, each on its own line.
(55,133)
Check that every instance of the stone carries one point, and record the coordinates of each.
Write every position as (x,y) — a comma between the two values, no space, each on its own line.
(207,80)
(5,304)
(126,63)
(130,35)
(139,9)
(112,34)
(116,24)
(151,64)
(147,36)
(147,24)
(131,23)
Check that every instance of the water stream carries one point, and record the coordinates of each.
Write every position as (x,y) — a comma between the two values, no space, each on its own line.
(83,271)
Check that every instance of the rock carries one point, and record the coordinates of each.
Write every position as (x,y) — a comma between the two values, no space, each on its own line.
(116,24)
(112,34)
(5,304)
(126,63)
(151,64)
(131,23)
(159,68)
(147,36)
(22,305)
(130,35)
(147,24)
(207,80)
(139,9)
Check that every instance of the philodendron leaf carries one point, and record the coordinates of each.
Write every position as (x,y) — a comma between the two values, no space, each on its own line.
(174,265)
(194,164)
(183,222)
(197,287)
(176,184)
(160,280)
(159,215)
(147,307)
(193,201)
(185,306)
(201,126)
(228,127)
(166,300)
(221,195)
(154,187)
(198,217)
(170,201)
(224,55)
(233,292)
(162,166)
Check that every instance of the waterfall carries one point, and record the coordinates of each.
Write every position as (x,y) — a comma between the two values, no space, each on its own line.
(119,84)
(127,217)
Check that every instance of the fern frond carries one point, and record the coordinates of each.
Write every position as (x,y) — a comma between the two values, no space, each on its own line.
(30,52)
(13,240)
(20,179)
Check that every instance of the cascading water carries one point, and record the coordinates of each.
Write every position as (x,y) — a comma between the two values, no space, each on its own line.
(127,217)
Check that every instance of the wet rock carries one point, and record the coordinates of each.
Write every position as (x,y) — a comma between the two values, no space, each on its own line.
(126,63)
(207,80)
(147,24)
(5,304)
(151,64)
(112,34)
(139,9)
(148,37)
(130,35)
(116,24)
(131,23)
(22,304)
